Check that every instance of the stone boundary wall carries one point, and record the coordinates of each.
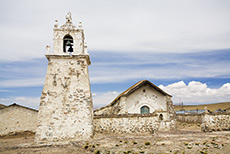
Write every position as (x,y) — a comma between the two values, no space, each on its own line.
(215,122)
(17,119)
(130,123)
(189,118)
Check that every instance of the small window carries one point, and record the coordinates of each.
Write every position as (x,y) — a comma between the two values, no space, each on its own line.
(143,90)
(145,109)
(160,117)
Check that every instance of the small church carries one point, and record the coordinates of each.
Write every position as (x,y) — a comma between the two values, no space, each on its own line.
(142,98)
(66,107)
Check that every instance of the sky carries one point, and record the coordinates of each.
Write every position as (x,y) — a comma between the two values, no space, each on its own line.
(181,46)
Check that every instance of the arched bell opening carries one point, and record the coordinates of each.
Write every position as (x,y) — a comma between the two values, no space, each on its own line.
(68,44)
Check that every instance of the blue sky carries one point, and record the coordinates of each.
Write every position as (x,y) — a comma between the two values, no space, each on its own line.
(183,47)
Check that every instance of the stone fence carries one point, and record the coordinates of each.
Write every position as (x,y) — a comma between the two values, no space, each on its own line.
(189,118)
(210,121)
(215,122)
(131,123)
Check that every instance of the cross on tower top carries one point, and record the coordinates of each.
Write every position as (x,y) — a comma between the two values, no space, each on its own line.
(68,17)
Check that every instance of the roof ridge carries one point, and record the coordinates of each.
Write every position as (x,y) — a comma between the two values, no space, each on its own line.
(132,89)
(14,104)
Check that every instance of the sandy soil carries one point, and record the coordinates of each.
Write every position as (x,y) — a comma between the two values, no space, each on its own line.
(187,139)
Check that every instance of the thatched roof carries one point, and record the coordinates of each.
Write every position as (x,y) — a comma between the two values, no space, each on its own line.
(133,89)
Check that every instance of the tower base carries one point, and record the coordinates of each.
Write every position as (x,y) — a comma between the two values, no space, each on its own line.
(66,110)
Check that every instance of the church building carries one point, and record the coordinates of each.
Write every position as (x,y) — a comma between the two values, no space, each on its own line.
(143,97)
(66,108)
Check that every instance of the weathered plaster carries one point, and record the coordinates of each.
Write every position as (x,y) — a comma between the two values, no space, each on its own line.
(16,118)
(65,111)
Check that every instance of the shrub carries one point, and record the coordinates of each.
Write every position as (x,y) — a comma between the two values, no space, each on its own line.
(97,152)
(147,143)
(86,146)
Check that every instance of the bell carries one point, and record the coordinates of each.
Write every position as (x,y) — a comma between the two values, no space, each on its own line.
(70,49)
(68,43)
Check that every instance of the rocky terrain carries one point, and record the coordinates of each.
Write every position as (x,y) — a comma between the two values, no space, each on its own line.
(187,139)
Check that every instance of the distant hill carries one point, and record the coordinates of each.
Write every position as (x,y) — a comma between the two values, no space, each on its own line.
(211,107)
(1,105)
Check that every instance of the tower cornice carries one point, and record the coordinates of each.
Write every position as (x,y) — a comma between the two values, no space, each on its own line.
(69,57)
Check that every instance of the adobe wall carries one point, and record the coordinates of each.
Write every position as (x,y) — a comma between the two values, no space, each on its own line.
(215,122)
(17,119)
(189,118)
(131,123)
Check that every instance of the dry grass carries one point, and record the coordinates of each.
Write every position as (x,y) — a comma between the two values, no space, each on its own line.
(180,141)
(211,107)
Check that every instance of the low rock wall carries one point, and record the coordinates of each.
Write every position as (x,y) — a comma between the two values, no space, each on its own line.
(215,122)
(130,123)
(189,118)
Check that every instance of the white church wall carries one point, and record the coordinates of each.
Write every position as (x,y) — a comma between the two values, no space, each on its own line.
(146,96)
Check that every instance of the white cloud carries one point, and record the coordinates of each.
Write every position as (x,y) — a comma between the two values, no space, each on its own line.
(103,98)
(113,74)
(99,99)
(31,82)
(154,26)
(4,90)
(193,93)
(197,92)
(32,102)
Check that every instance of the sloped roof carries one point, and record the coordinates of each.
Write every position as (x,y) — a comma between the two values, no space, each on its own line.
(134,88)
(18,106)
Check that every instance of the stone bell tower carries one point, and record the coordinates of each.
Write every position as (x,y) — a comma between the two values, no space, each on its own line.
(66,110)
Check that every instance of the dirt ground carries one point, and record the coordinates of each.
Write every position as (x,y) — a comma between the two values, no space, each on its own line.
(187,139)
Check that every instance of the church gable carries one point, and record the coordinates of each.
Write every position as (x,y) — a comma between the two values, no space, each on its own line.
(141,84)
(146,99)
(142,96)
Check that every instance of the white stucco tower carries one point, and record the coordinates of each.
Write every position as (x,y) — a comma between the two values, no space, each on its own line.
(66,109)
